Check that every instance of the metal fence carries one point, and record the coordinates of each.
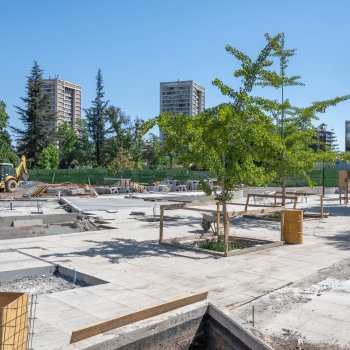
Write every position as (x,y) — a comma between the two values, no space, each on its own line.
(98,176)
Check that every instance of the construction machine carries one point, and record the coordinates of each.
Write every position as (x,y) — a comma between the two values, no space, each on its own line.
(10,176)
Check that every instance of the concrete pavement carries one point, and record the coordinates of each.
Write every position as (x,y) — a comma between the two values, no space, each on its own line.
(142,273)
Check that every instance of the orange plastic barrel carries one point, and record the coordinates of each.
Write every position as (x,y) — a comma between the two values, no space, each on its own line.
(293,226)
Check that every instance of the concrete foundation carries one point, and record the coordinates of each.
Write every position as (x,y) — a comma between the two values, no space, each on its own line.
(201,326)
(33,219)
(66,273)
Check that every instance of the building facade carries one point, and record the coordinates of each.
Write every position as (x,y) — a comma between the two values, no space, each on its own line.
(324,138)
(181,97)
(347,135)
(64,99)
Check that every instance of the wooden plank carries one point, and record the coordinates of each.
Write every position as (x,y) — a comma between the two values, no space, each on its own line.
(213,211)
(117,322)
(233,203)
(256,212)
(186,205)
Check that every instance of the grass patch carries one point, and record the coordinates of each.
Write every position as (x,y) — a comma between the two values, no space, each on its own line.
(218,246)
(275,215)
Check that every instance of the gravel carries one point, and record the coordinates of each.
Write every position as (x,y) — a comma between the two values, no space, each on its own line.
(38,285)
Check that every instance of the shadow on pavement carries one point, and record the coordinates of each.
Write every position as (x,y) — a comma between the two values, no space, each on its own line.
(119,248)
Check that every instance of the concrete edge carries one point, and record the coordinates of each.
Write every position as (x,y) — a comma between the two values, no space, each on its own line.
(80,276)
(9,276)
(28,219)
(73,207)
(255,249)
(237,330)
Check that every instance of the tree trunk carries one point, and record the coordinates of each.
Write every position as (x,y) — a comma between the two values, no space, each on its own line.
(225,217)
(283,184)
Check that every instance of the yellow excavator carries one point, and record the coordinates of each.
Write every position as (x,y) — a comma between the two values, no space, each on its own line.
(10,176)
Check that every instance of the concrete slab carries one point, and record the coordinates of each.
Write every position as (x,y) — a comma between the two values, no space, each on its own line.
(29,222)
(142,273)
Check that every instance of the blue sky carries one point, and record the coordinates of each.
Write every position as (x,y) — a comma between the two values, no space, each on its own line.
(138,44)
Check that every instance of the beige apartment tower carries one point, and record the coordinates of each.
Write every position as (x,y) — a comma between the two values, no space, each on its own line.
(181,97)
(64,101)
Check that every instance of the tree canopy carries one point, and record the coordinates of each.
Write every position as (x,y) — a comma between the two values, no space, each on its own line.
(7,155)
(96,117)
(293,124)
(39,123)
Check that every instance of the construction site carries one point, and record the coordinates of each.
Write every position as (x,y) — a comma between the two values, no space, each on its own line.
(130,266)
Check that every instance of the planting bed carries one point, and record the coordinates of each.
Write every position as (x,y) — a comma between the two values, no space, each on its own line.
(238,245)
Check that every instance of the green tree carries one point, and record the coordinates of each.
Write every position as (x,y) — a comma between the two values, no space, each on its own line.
(49,158)
(38,122)
(86,151)
(7,155)
(232,140)
(293,125)
(96,117)
(68,144)
(152,151)
(137,143)
(122,162)
(123,133)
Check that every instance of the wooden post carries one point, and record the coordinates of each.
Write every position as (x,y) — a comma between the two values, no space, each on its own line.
(227,232)
(218,219)
(282,225)
(246,203)
(295,202)
(161,224)
(275,203)
(321,198)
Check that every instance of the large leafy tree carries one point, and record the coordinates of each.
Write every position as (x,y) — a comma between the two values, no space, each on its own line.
(49,158)
(86,149)
(68,145)
(124,134)
(122,161)
(233,140)
(96,117)
(293,124)
(6,152)
(38,123)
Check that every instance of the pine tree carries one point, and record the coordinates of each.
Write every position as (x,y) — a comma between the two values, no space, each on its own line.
(6,152)
(38,123)
(96,116)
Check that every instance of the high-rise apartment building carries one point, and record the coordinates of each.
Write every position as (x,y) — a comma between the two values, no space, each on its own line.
(64,100)
(181,97)
(325,138)
(347,135)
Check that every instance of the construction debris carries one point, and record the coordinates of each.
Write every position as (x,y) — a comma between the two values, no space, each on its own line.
(40,191)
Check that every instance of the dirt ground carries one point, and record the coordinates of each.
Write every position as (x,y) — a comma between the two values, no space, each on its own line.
(290,297)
